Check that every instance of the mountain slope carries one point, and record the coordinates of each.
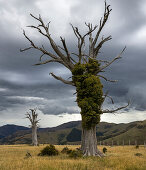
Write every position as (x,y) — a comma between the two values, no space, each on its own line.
(71,133)
(7,130)
(135,134)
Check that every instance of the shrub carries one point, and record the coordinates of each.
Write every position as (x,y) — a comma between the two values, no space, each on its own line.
(104,150)
(75,154)
(78,149)
(138,154)
(66,150)
(137,146)
(28,155)
(49,151)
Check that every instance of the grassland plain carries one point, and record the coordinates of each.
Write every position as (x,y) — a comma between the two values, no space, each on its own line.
(12,157)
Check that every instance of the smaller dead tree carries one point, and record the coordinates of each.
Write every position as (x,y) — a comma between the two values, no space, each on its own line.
(34,124)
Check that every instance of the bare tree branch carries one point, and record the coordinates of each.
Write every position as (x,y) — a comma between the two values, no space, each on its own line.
(49,61)
(113,81)
(81,39)
(116,58)
(65,59)
(61,48)
(98,47)
(74,31)
(61,79)
(41,56)
(90,29)
(35,17)
(106,95)
(113,111)
(36,47)
(29,117)
(25,49)
(66,50)
(103,61)
(45,52)
(32,117)
(102,21)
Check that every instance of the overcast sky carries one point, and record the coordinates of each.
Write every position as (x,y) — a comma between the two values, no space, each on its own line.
(24,86)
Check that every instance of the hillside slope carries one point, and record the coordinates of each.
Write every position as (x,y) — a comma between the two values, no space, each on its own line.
(7,130)
(70,133)
(136,134)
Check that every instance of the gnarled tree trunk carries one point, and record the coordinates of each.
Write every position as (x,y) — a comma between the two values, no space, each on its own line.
(89,142)
(34,136)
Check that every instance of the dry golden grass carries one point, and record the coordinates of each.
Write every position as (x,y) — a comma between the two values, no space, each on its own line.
(12,157)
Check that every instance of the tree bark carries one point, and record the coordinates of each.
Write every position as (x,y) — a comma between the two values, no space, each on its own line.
(89,143)
(34,136)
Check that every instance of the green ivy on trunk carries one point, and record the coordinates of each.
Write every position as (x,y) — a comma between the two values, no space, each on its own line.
(89,92)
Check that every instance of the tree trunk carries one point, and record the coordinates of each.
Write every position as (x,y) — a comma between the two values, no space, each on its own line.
(89,143)
(34,136)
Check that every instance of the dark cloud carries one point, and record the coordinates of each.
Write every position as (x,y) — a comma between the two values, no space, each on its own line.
(22,84)
(49,98)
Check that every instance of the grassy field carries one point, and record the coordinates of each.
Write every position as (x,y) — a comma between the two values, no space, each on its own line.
(12,157)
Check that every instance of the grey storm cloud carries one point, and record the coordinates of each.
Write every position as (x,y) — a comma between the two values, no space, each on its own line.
(22,84)
(49,98)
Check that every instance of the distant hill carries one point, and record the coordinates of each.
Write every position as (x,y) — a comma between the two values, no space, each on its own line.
(135,132)
(7,130)
(70,133)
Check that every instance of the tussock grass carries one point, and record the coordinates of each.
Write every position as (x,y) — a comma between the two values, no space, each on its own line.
(12,157)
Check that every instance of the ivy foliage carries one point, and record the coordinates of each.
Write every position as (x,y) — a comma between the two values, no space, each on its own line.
(89,92)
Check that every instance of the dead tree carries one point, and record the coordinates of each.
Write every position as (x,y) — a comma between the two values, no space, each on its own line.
(34,124)
(85,68)
(123,142)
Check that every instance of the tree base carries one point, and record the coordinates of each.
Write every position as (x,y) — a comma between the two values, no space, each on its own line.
(97,154)
(89,143)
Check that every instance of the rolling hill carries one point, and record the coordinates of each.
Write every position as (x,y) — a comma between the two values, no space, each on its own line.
(70,133)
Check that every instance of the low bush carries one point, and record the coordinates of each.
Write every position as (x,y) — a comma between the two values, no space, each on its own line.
(138,154)
(66,150)
(137,146)
(75,154)
(49,151)
(104,150)
(28,155)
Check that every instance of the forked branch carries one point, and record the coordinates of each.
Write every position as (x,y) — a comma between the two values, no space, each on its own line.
(32,117)
(115,110)
(98,47)
(33,45)
(102,22)
(106,95)
(66,60)
(116,58)
(81,39)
